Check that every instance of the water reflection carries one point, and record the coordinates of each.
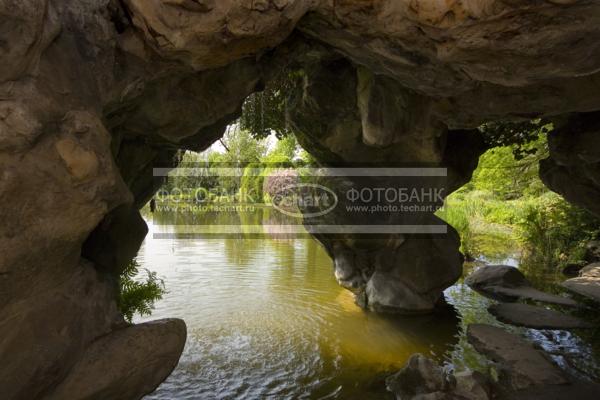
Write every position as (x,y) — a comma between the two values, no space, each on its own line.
(266,319)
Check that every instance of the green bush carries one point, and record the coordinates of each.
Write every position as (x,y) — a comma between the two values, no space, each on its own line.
(555,232)
(137,296)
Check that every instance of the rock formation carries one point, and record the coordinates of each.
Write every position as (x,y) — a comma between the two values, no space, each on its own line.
(535,317)
(507,283)
(95,93)
(587,284)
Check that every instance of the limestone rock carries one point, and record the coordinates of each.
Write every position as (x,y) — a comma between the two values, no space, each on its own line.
(176,106)
(43,335)
(467,53)
(95,93)
(587,283)
(523,366)
(213,33)
(507,283)
(572,167)
(125,364)
(535,317)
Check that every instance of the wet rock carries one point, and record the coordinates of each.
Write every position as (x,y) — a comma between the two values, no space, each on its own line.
(587,283)
(507,283)
(496,275)
(535,317)
(420,377)
(471,385)
(521,365)
(580,390)
(125,364)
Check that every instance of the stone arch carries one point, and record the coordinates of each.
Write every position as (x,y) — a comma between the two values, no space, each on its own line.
(92,93)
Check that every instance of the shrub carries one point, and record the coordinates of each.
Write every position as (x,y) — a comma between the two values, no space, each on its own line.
(555,232)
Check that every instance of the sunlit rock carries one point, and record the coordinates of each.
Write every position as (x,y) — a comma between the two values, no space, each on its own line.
(127,363)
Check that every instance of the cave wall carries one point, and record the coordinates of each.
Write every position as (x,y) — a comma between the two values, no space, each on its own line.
(94,93)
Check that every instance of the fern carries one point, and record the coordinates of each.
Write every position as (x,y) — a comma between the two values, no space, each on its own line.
(137,296)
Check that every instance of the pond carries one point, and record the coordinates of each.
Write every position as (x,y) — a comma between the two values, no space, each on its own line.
(266,319)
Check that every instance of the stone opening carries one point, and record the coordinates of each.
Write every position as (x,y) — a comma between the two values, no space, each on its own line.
(94,93)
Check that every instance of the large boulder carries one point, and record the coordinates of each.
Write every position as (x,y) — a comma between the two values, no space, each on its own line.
(423,379)
(119,366)
(420,376)
(587,283)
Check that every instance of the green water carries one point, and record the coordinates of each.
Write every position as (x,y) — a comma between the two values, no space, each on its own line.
(267,320)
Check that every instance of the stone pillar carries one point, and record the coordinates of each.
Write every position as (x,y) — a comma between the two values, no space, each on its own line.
(349,117)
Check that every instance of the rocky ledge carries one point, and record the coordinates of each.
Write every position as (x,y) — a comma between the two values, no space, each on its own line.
(522,372)
(535,317)
(587,283)
(507,283)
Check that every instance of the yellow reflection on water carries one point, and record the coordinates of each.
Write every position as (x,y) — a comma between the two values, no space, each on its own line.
(266,318)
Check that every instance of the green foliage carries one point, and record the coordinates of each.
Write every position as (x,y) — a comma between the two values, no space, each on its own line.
(265,112)
(241,147)
(460,219)
(516,135)
(555,232)
(201,163)
(507,177)
(253,178)
(137,296)
(252,182)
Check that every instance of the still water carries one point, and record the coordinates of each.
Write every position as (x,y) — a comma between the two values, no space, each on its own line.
(267,320)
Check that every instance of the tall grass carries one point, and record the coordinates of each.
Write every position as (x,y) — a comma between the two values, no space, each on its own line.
(459,216)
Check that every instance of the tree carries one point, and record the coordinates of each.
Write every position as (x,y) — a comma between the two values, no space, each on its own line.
(241,149)
(517,135)
(265,112)
(509,176)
